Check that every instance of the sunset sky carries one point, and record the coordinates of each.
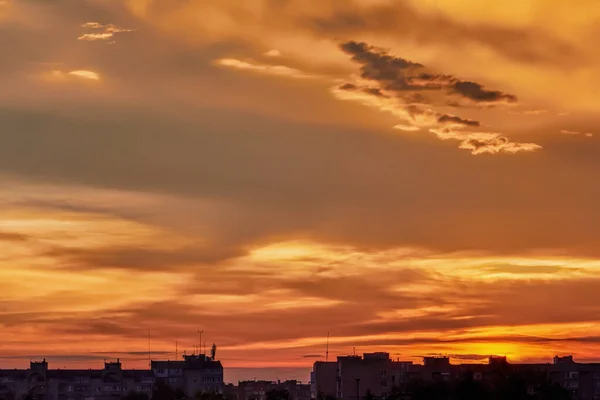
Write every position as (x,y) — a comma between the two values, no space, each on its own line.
(412,176)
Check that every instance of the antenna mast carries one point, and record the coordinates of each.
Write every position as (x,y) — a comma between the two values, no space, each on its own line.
(200,332)
(176,353)
(149,361)
(327,349)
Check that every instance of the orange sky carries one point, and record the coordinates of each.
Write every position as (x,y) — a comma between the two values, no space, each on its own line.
(417,177)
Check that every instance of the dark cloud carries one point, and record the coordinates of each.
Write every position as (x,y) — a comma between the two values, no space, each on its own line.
(312,356)
(376,92)
(376,63)
(397,74)
(348,86)
(453,119)
(476,92)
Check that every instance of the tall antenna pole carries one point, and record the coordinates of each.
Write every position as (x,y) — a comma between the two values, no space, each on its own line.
(149,361)
(204,348)
(176,353)
(327,349)
(200,332)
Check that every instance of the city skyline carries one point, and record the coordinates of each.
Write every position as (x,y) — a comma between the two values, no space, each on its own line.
(411,176)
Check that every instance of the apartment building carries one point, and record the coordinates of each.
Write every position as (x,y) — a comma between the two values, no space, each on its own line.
(257,390)
(374,375)
(323,380)
(196,373)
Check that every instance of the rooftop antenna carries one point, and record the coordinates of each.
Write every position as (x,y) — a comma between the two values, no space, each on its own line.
(327,349)
(149,361)
(353,351)
(176,352)
(204,352)
(200,332)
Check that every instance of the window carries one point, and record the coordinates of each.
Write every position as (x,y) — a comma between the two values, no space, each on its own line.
(384,383)
(383,373)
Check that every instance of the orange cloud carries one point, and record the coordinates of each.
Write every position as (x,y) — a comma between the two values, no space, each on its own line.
(62,76)
(280,70)
(570,132)
(105,32)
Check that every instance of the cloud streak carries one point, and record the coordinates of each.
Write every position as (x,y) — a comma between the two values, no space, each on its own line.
(103,32)
(570,132)
(277,70)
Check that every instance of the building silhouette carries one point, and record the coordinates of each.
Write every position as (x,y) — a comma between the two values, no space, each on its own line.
(193,374)
(258,390)
(375,375)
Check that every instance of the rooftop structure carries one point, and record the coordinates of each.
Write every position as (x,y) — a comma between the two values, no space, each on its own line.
(196,373)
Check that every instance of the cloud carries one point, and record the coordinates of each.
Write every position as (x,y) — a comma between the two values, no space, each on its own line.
(106,31)
(85,74)
(570,132)
(397,74)
(398,77)
(493,144)
(62,76)
(280,70)
(478,93)
(454,120)
(406,128)
(239,180)
(273,53)
(535,112)
(484,142)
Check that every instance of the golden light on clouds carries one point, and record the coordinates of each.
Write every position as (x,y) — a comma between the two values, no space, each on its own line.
(101,32)
(280,171)
(64,76)
(85,74)
(280,70)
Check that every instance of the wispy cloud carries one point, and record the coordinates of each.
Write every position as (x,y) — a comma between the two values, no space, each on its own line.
(105,32)
(570,132)
(64,76)
(401,81)
(483,142)
(410,92)
(85,74)
(273,53)
(280,70)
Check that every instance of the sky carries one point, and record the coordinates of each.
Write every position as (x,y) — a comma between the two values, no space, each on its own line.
(416,177)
